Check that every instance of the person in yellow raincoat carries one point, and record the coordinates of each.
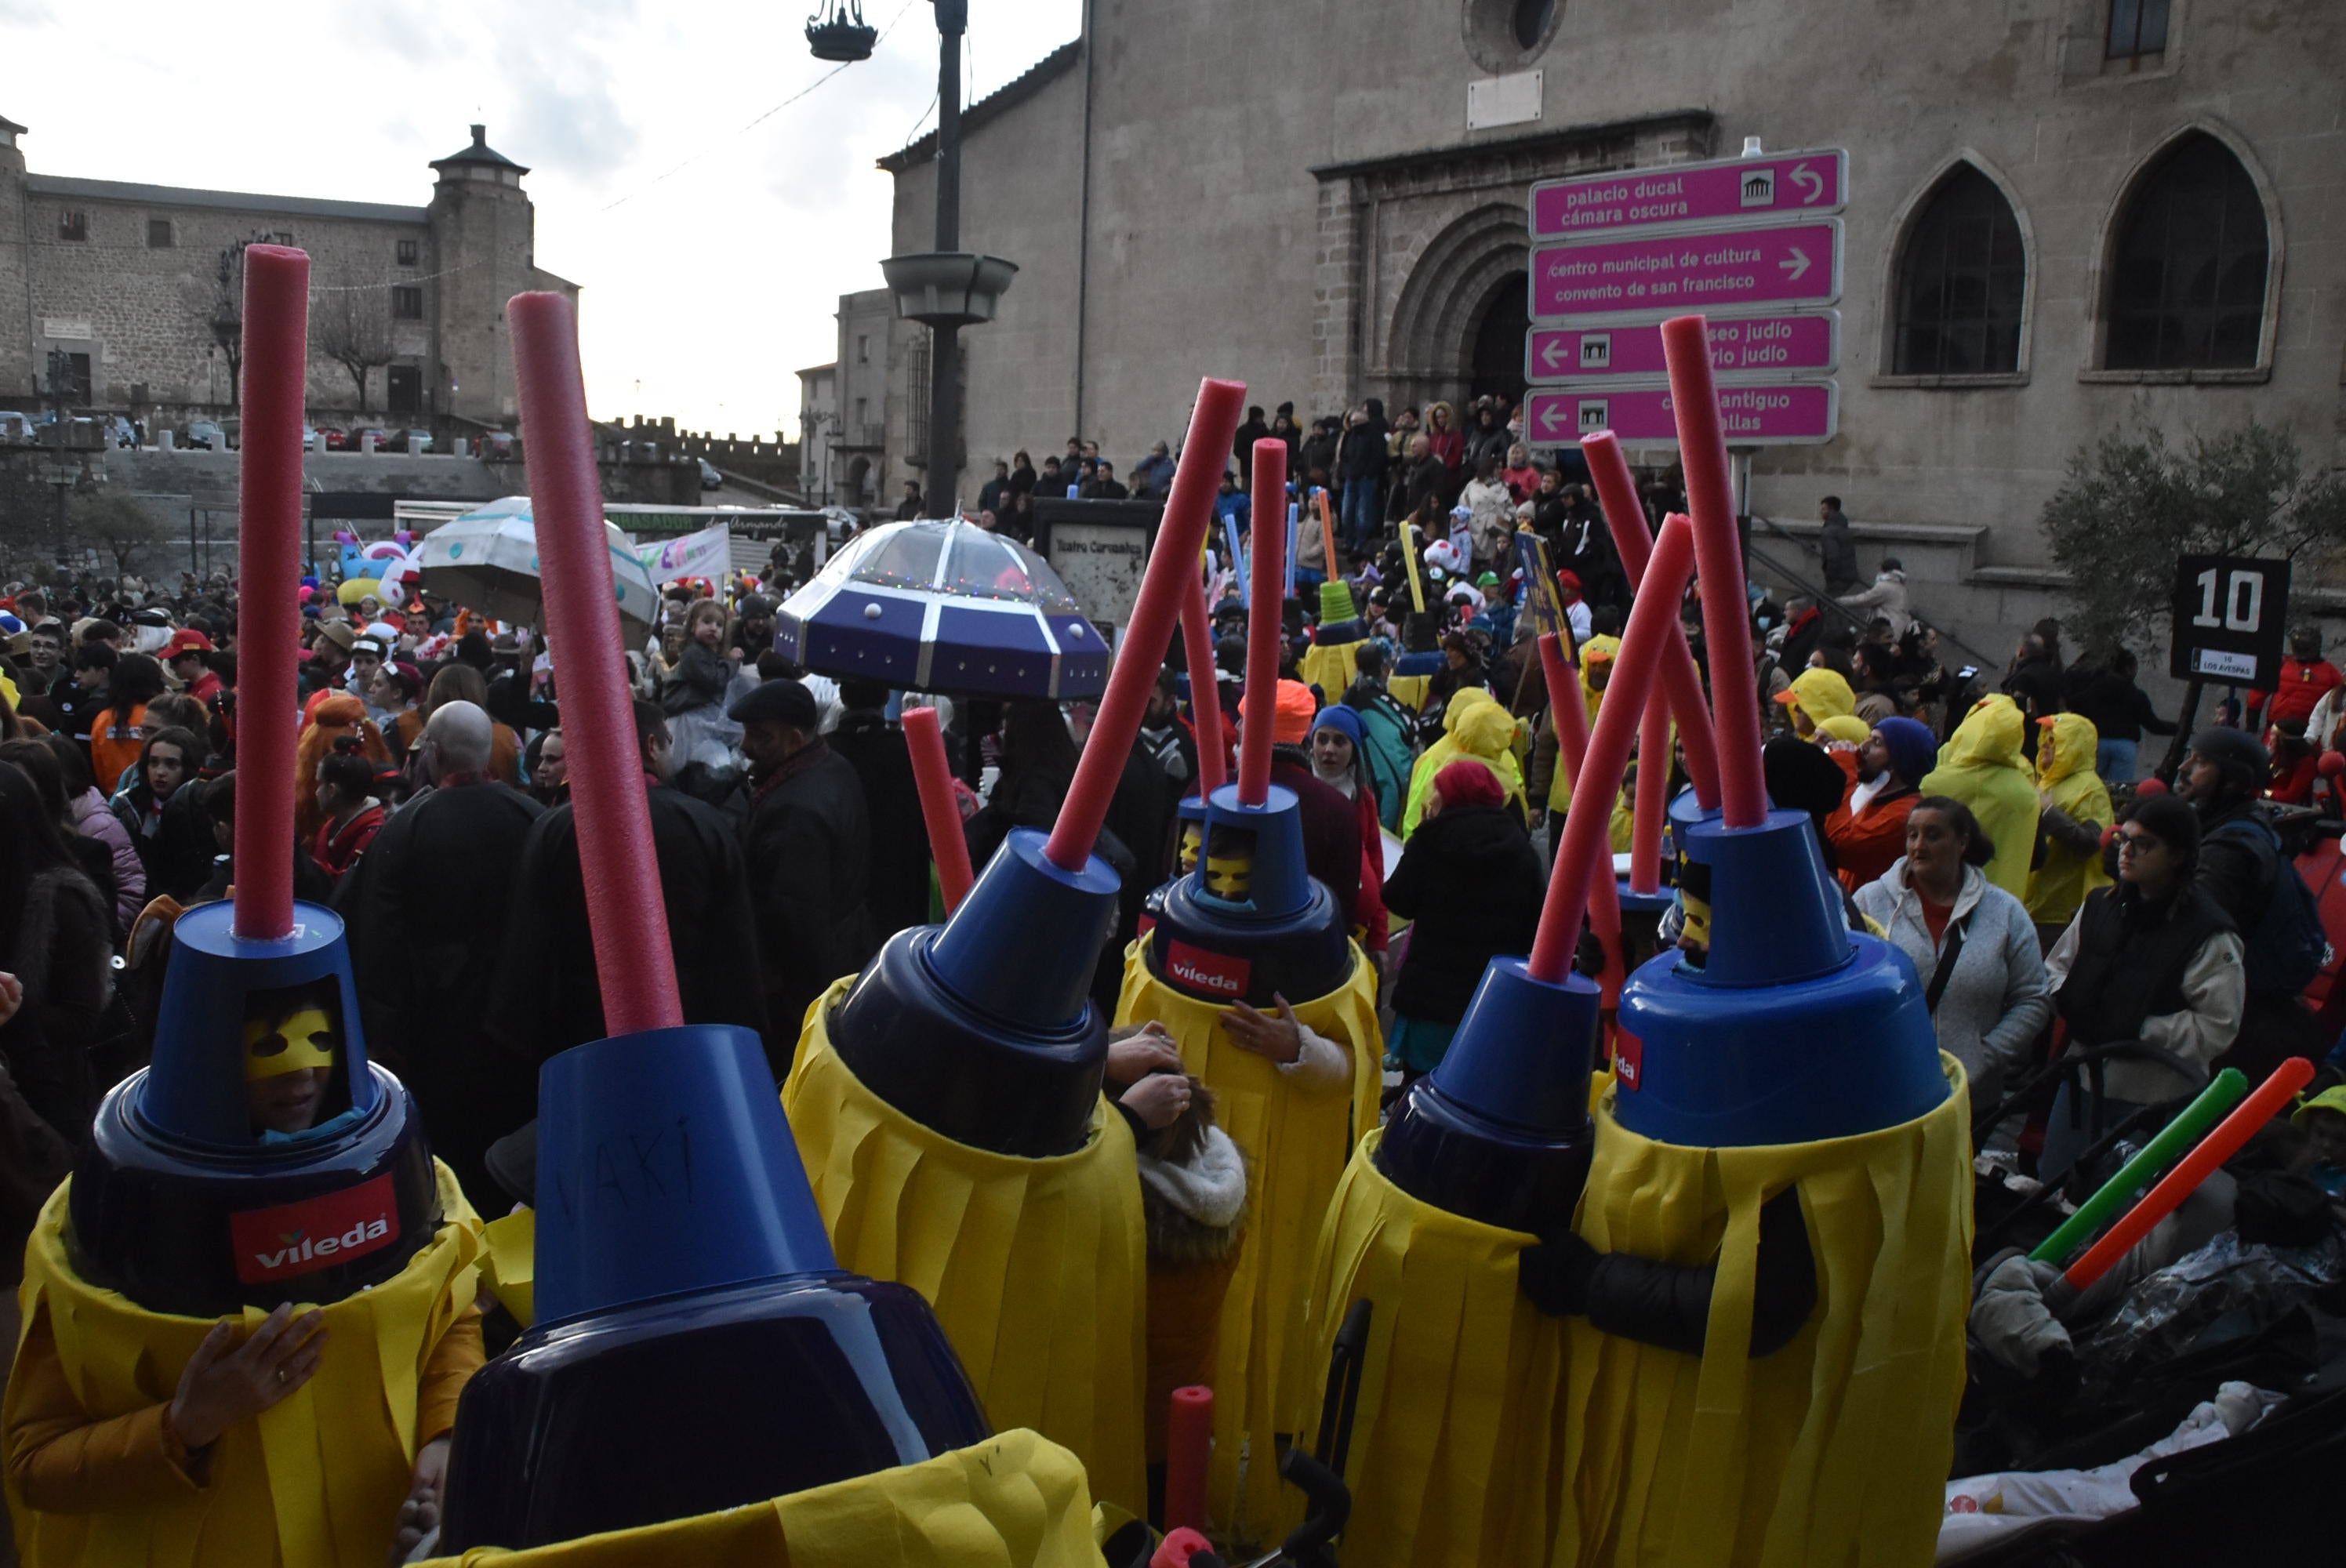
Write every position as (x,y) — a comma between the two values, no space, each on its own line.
(2076,809)
(1983,767)
(1814,697)
(1473,725)
(287,1437)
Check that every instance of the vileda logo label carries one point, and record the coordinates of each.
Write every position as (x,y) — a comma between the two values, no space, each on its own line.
(295,1239)
(1221,973)
(1629,1060)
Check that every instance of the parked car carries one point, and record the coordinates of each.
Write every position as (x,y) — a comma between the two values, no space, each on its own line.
(309,438)
(497,447)
(338,440)
(709,478)
(121,431)
(410,440)
(359,434)
(15,426)
(204,435)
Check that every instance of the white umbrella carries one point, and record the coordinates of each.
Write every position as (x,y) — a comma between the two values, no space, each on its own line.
(487,561)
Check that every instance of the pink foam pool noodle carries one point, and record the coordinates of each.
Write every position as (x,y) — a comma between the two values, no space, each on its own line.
(269,571)
(626,910)
(1570,716)
(1181,535)
(1266,620)
(1596,784)
(1205,694)
(1617,491)
(1653,803)
(1718,557)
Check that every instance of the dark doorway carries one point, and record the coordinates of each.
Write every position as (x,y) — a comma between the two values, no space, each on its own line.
(1495,362)
(406,389)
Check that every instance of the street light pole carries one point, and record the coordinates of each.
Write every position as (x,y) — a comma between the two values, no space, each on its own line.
(944,341)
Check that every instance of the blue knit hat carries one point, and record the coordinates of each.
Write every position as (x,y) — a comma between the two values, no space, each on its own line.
(1337,717)
(1913,749)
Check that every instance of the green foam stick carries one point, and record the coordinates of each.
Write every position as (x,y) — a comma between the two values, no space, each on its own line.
(2226,1089)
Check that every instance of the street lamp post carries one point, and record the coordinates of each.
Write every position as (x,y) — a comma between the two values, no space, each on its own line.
(947,288)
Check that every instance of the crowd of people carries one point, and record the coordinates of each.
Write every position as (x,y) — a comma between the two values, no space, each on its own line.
(2001,839)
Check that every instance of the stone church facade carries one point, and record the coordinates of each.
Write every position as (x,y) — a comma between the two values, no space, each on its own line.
(125,280)
(2066,217)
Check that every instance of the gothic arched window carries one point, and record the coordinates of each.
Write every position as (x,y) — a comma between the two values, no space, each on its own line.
(1960,281)
(2187,272)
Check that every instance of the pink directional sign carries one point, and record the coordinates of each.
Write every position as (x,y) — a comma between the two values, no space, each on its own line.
(1783,344)
(1788,264)
(1782,414)
(1784,185)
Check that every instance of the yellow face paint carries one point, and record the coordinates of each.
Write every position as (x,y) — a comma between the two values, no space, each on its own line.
(292,1044)
(1193,838)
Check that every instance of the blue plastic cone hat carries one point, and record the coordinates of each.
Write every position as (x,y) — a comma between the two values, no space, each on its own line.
(1793,1028)
(259,1119)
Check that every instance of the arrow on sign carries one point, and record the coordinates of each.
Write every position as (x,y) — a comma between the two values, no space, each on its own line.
(1548,420)
(1552,354)
(1802,175)
(1796,265)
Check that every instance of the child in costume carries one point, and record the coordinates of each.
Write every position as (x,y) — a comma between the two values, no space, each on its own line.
(111,1460)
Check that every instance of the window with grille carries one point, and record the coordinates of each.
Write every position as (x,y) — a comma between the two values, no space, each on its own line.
(1960,281)
(159,234)
(916,409)
(280,238)
(2137,28)
(407,304)
(73,225)
(411,251)
(2187,287)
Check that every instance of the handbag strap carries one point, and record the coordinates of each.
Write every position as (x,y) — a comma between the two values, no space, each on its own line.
(1948,954)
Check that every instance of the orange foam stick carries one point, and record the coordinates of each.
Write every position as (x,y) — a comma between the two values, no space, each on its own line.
(932,774)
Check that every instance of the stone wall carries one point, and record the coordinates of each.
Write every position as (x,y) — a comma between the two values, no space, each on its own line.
(1297,200)
(774,461)
(148,309)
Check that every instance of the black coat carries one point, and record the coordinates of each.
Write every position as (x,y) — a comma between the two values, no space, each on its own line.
(547,996)
(427,909)
(897,868)
(808,844)
(1472,882)
(179,858)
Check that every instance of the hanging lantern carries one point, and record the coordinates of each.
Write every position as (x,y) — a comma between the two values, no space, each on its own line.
(838,32)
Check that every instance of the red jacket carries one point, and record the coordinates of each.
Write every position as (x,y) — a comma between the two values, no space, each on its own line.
(2301,685)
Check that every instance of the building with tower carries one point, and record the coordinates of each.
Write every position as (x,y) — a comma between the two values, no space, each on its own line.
(135,287)
(2065,218)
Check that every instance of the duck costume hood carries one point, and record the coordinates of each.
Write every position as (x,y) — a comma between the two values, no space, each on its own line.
(1982,767)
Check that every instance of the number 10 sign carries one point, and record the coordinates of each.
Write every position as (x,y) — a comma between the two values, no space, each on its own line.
(2229,616)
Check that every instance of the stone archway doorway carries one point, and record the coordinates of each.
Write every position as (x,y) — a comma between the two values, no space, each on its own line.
(1494,362)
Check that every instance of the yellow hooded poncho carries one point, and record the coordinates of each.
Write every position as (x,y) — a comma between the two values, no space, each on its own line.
(2065,770)
(1982,767)
(1821,694)
(1475,725)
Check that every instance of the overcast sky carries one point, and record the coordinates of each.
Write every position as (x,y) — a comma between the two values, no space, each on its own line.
(711,255)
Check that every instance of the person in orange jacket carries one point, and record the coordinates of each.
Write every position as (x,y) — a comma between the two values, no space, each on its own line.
(1868,831)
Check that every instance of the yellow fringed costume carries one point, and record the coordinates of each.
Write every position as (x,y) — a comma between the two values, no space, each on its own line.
(1833,1450)
(1015,1500)
(1332,667)
(1295,1146)
(1037,1268)
(317,1479)
(1452,1458)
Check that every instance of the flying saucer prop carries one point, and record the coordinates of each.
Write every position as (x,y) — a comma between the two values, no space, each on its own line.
(488,560)
(943,607)
(697,1350)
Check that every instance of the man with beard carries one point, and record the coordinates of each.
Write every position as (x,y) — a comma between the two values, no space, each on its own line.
(1869,829)
(753,628)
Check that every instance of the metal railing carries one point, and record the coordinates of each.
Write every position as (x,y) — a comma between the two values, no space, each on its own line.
(1796,582)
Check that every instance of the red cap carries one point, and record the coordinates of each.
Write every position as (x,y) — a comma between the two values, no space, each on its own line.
(187,639)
